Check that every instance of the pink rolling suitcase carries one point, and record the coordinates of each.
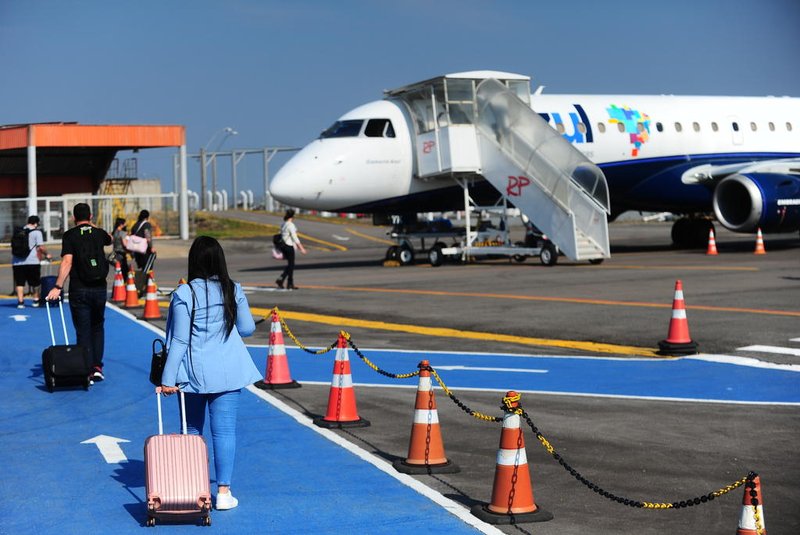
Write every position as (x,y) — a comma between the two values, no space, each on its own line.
(176,474)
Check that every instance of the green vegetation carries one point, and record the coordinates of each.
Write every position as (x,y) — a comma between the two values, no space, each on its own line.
(222,228)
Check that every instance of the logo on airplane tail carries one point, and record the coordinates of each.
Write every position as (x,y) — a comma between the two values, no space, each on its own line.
(636,125)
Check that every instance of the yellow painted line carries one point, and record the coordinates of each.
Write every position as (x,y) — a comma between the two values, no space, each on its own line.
(371,238)
(674,268)
(576,300)
(323,242)
(276,228)
(340,322)
(53,263)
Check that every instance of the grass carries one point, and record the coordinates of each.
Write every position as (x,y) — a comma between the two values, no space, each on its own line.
(222,228)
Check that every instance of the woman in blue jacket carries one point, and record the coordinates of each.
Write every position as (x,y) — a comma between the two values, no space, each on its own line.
(207,358)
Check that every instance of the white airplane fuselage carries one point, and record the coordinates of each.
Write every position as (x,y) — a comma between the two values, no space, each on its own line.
(658,153)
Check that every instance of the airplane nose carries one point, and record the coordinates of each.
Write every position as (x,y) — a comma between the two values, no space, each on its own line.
(290,185)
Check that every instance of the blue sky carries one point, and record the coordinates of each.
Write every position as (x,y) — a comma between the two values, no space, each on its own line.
(279,72)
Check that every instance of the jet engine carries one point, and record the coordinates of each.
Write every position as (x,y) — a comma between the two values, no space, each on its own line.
(769,201)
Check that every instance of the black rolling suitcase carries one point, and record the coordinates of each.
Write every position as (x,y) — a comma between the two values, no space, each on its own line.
(64,365)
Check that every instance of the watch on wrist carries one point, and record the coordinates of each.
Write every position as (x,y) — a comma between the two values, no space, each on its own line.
(57,287)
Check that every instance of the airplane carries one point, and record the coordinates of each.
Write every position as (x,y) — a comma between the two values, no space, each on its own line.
(415,151)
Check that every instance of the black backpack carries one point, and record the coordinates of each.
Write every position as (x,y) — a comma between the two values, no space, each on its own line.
(19,242)
(90,258)
(277,240)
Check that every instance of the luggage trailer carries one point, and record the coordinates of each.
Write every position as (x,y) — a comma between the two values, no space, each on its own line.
(466,243)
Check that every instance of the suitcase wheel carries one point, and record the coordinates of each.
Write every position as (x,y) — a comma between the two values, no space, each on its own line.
(207,520)
(151,521)
(51,383)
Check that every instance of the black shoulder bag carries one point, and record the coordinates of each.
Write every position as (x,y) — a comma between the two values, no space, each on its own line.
(158,361)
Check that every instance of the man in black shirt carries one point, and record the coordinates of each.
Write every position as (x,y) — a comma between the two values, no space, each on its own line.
(84,262)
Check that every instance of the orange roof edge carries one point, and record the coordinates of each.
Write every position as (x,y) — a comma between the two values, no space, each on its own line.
(74,135)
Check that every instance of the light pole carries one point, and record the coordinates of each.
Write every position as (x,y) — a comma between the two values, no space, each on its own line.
(226,133)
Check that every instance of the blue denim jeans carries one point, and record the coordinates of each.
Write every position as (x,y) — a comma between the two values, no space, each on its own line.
(88,307)
(222,410)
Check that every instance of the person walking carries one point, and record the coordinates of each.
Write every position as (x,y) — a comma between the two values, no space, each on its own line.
(26,266)
(143,229)
(120,253)
(84,262)
(206,357)
(289,242)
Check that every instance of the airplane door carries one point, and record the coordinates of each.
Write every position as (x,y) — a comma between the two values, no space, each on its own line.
(736,129)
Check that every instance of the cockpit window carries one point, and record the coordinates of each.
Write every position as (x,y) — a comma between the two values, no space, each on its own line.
(379,128)
(343,129)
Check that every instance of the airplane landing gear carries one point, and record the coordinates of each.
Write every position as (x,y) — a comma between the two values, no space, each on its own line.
(691,233)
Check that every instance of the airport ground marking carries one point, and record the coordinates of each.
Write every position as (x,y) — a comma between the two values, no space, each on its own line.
(669,267)
(575,300)
(109,448)
(486,369)
(445,332)
(795,352)
(371,238)
(451,506)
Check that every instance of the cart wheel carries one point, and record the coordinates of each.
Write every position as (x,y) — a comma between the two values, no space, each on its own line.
(549,254)
(406,256)
(596,261)
(392,252)
(435,256)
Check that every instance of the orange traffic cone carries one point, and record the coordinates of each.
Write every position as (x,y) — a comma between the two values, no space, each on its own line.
(131,294)
(118,294)
(759,244)
(342,411)
(678,341)
(712,243)
(151,309)
(425,449)
(276,374)
(181,281)
(751,522)
(512,495)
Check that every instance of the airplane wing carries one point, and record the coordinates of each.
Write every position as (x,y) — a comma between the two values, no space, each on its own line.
(710,173)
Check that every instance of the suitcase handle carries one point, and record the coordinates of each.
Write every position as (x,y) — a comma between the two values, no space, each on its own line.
(181,402)
(63,323)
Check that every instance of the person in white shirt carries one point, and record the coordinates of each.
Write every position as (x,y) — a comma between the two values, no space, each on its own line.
(287,247)
(27,269)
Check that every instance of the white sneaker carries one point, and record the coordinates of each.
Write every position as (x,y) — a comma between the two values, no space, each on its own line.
(20,305)
(226,501)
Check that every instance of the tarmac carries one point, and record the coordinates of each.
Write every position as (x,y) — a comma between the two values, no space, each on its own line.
(641,426)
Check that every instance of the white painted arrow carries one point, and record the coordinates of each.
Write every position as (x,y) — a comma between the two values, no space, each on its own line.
(109,448)
(19,317)
(340,238)
(476,368)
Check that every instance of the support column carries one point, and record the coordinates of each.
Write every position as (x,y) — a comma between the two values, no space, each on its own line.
(203,179)
(32,189)
(183,196)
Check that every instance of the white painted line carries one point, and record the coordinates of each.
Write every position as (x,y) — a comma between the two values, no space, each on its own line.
(449,505)
(794,339)
(795,352)
(478,368)
(143,323)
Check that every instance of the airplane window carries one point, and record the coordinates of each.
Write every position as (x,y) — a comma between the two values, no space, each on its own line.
(621,127)
(581,128)
(714,126)
(771,126)
(343,129)
(377,127)
(659,127)
(678,127)
(640,127)
(601,127)
(560,128)
(735,127)
(696,126)
(788,127)
(753,127)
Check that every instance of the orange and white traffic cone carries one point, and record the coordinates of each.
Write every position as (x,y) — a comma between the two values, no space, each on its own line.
(277,373)
(181,281)
(425,449)
(751,522)
(512,494)
(759,244)
(118,293)
(678,341)
(712,243)
(342,411)
(151,309)
(131,294)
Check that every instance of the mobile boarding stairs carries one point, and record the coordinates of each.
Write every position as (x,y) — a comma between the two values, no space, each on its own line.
(479,125)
